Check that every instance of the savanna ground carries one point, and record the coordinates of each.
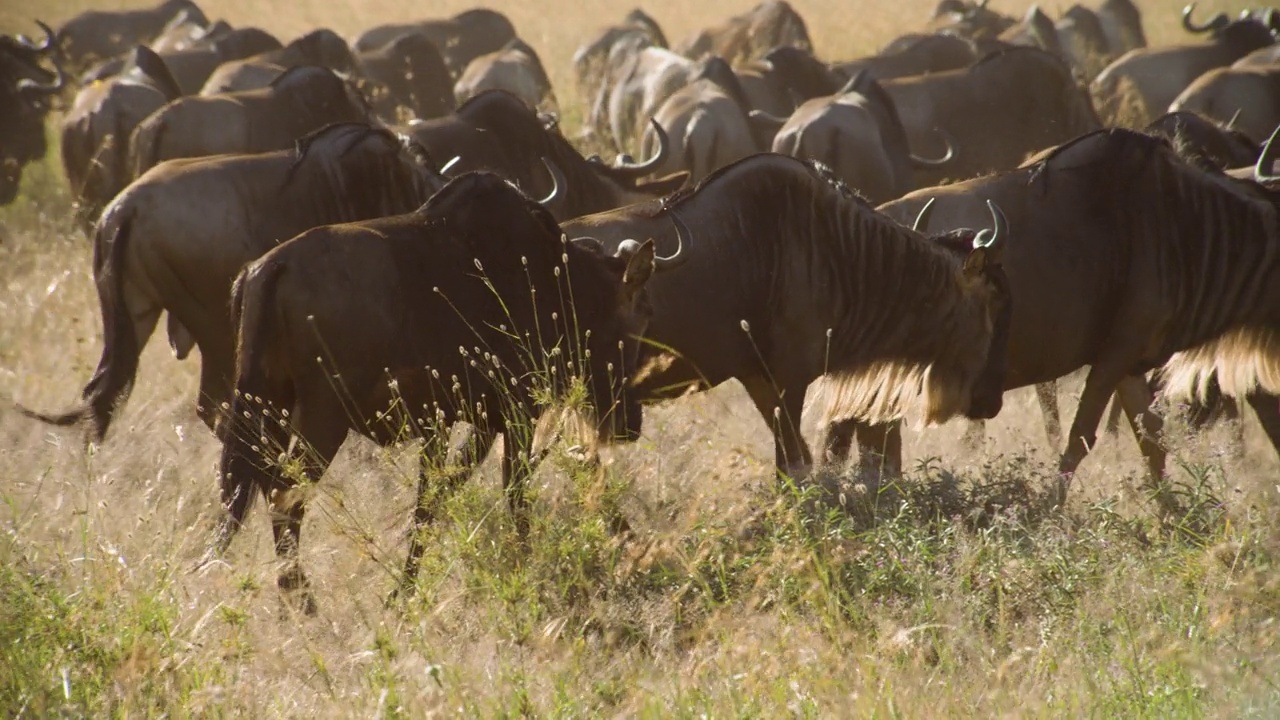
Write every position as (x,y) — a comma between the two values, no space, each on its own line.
(951,594)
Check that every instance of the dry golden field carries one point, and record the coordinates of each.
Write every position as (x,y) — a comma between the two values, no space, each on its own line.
(952,595)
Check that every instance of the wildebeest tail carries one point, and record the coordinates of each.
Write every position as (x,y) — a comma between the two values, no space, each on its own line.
(118,366)
(253,432)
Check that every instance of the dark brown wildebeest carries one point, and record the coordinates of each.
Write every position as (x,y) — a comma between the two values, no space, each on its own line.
(95,132)
(460,39)
(185,30)
(790,276)
(771,24)
(1190,281)
(322,48)
(1035,29)
(496,131)
(272,118)
(1004,107)
(915,55)
(103,34)
(192,66)
(968,19)
(25,90)
(637,78)
(1196,136)
(1248,98)
(1082,40)
(785,78)
(589,59)
(857,133)
(174,240)
(1155,76)
(408,72)
(1122,24)
(392,306)
(515,68)
(707,120)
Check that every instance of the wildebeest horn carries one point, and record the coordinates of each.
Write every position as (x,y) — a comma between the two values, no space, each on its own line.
(637,170)
(446,167)
(1231,124)
(935,162)
(922,217)
(993,238)
(1267,160)
(766,122)
(557,182)
(854,82)
(1217,23)
(27,86)
(680,256)
(42,47)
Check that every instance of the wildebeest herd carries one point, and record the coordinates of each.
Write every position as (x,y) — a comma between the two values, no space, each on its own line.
(394,234)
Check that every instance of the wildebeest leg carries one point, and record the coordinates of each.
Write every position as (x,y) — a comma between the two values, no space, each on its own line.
(1047,395)
(974,435)
(837,440)
(1098,387)
(880,448)
(1267,406)
(1113,417)
(1135,396)
(323,436)
(781,408)
(216,369)
(438,472)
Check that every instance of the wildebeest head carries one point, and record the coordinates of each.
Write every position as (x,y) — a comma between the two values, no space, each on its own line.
(983,273)
(1250,30)
(25,90)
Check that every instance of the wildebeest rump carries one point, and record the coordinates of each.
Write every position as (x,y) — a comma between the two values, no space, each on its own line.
(1158,256)
(790,276)
(771,24)
(408,72)
(479,267)
(174,240)
(460,39)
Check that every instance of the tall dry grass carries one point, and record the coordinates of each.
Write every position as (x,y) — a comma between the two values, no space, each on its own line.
(953,594)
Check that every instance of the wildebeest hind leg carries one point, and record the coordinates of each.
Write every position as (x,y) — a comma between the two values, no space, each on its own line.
(781,405)
(1047,396)
(880,448)
(1267,407)
(1098,386)
(439,474)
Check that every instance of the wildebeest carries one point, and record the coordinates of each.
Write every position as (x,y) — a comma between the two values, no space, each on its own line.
(707,122)
(1035,29)
(591,55)
(299,101)
(25,90)
(637,78)
(857,133)
(1248,98)
(999,110)
(175,238)
(968,19)
(479,266)
(95,132)
(1083,41)
(515,68)
(460,39)
(791,276)
(1199,137)
(1154,76)
(915,55)
(322,48)
(1127,256)
(496,131)
(184,30)
(784,78)
(771,24)
(1122,24)
(408,72)
(103,34)
(192,66)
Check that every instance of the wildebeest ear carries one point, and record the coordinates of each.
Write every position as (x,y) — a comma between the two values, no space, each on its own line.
(975,263)
(640,266)
(589,243)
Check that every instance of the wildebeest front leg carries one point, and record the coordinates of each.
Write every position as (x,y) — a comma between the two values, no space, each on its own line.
(1135,396)
(1098,386)
(781,406)
(442,470)
(1047,396)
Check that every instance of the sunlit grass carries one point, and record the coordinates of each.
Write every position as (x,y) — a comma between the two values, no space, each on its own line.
(951,593)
